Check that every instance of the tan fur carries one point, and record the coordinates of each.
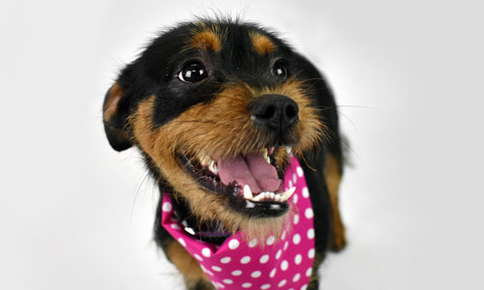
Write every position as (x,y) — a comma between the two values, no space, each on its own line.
(206,39)
(332,174)
(185,263)
(262,44)
(111,101)
(220,129)
(310,128)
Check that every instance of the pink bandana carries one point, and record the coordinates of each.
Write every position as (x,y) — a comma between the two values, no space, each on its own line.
(282,263)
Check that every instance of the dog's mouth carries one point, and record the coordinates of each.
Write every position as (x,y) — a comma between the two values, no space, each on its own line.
(252,182)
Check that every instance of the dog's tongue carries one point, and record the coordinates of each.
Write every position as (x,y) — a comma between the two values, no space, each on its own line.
(252,170)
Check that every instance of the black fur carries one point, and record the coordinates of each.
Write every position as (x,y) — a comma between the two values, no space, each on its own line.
(154,73)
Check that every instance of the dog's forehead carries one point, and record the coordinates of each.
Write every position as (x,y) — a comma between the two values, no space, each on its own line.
(230,46)
(234,41)
(238,49)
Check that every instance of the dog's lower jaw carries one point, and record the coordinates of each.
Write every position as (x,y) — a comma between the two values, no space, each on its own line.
(261,228)
(209,207)
(228,220)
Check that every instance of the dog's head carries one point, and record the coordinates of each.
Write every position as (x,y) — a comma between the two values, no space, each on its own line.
(216,107)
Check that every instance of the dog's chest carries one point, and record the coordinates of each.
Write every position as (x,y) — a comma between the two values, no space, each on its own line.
(283,262)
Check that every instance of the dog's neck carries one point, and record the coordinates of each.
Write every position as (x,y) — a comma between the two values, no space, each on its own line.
(211,232)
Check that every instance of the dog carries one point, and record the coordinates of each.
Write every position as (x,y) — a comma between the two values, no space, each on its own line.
(240,132)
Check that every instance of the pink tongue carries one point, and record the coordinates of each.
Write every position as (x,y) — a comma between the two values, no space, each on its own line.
(252,170)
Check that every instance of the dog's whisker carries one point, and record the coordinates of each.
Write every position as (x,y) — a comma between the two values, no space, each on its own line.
(138,189)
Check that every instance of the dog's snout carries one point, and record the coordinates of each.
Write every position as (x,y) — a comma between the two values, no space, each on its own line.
(273,111)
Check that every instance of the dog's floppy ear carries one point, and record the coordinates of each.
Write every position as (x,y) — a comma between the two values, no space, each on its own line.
(115,118)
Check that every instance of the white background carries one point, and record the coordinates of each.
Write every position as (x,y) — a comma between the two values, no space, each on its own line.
(74,214)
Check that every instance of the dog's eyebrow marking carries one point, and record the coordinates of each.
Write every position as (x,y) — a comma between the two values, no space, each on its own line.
(207,40)
(261,43)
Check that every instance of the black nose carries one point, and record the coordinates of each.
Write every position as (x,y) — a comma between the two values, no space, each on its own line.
(275,112)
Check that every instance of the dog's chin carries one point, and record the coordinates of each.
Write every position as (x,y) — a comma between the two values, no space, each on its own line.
(251,184)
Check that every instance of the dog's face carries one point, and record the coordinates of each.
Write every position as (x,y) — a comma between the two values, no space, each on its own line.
(216,107)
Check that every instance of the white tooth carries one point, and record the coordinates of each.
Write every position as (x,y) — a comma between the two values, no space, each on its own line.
(272,195)
(265,154)
(259,197)
(247,192)
(277,197)
(213,167)
(288,149)
(287,194)
(283,197)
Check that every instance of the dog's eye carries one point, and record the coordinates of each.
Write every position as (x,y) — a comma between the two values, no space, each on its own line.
(192,72)
(280,69)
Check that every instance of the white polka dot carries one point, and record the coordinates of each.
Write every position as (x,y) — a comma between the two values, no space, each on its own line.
(228,281)
(219,285)
(290,183)
(286,245)
(296,277)
(311,253)
(278,254)
(246,285)
(282,283)
(182,242)
(216,268)
(295,198)
(294,178)
(304,287)
(175,226)
(234,244)
(167,207)
(283,236)
(206,252)
(245,260)
(197,256)
(236,273)
(265,286)
(298,259)
(253,243)
(207,271)
(309,271)
(309,213)
(295,219)
(284,265)
(273,273)
(270,240)
(296,239)
(255,274)
(311,234)
(264,259)
(299,171)
(305,192)
(225,260)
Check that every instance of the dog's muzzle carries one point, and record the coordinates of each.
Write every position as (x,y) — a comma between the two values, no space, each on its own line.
(276,113)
